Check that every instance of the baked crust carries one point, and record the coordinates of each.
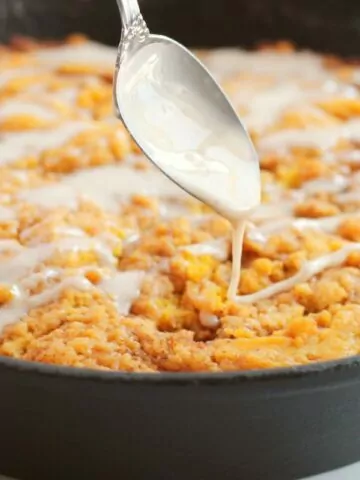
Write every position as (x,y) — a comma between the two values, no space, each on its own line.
(302,110)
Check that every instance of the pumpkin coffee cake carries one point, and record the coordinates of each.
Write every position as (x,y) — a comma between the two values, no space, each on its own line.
(105,263)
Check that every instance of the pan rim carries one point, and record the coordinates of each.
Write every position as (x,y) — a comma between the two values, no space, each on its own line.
(342,365)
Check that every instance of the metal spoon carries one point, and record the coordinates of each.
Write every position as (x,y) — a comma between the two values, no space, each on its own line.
(171,104)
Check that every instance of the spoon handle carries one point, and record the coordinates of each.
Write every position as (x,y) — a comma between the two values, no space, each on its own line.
(132,19)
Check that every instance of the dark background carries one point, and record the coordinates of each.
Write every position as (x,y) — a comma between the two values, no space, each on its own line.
(324,25)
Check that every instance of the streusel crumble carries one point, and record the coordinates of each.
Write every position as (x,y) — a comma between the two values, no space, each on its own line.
(104,263)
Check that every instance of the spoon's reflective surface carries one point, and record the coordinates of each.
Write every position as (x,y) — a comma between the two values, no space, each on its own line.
(182,120)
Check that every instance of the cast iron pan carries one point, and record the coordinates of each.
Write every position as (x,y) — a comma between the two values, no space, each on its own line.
(284,424)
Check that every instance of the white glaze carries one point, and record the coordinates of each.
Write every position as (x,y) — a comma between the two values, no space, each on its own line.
(208,320)
(230,61)
(25,107)
(6,214)
(15,146)
(237,246)
(109,186)
(215,248)
(88,53)
(198,145)
(319,138)
(51,196)
(308,270)
(20,273)
(188,131)
(23,302)
(105,186)
(123,287)
(325,224)
(335,184)
(27,259)
(21,72)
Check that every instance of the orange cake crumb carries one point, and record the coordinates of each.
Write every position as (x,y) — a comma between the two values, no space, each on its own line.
(105,265)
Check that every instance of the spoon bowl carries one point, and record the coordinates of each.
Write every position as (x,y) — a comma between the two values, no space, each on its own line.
(181,119)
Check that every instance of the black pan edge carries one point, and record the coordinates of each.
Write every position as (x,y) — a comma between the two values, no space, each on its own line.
(344,367)
(323,26)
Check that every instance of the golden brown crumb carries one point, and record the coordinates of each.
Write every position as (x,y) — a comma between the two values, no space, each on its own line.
(80,325)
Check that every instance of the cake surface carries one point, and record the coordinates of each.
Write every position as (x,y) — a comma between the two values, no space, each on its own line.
(104,263)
